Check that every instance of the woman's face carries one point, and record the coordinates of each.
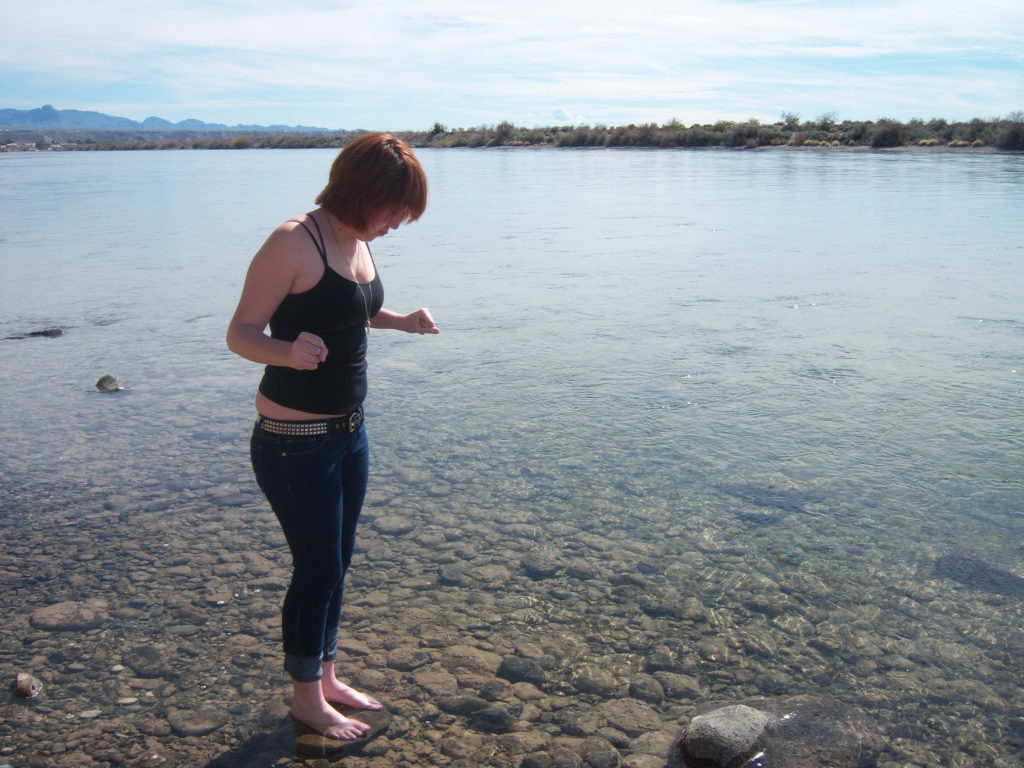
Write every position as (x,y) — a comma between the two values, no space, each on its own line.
(381,224)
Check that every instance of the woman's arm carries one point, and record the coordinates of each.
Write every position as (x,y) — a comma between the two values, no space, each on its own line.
(270,278)
(419,321)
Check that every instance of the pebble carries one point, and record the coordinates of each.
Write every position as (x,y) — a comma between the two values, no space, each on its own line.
(27,686)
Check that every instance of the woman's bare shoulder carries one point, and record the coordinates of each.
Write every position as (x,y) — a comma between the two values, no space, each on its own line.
(290,240)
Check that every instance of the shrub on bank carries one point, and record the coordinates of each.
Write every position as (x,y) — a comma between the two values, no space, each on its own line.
(1006,134)
(887,133)
(1011,135)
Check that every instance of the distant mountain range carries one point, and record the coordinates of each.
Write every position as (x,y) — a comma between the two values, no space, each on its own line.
(48,118)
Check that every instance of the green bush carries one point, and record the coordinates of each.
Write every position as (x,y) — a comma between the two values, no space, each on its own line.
(1010,135)
(887,134)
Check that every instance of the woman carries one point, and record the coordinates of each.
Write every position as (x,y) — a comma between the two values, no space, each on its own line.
(315,284)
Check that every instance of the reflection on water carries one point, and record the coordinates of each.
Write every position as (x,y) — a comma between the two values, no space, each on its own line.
(717,424)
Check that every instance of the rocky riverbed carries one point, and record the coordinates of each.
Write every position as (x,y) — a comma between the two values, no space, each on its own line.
(500,629)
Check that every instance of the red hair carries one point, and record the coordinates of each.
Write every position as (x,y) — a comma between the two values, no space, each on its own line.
(373,175)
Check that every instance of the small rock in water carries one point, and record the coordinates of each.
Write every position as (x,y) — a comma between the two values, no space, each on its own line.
(495,718)
(71,615)
(109,383)
(312,744)
(27,686)
(725,735)
(196,722)
(49,333)
(519,670)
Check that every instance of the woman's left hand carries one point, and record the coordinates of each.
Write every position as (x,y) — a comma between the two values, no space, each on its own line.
(420,321)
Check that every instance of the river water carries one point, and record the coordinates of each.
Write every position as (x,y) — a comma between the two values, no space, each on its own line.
(783,389)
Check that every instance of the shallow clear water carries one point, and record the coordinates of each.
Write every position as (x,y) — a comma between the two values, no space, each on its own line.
(811,363)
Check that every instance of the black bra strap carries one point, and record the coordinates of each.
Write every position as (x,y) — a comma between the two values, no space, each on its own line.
(320,247)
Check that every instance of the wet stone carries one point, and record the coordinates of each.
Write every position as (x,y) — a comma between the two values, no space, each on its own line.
(146,661)
(152,726)
(27,686)
(493,718)
(631,716)
(517,669)
(312,744)
(540,565)
(220,597)
(555,758)
(496,689)
(810,731)
(592,679)
(393,525)
(647,688)
(70,616)
(461,705)
(676,686)
(453,575)
(184,630)
(463,657)
(599,753)
(196,722)
(436,681)
(659,661)
(725,735)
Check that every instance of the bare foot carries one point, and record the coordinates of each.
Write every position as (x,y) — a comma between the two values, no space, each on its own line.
(339,693)
(328,722)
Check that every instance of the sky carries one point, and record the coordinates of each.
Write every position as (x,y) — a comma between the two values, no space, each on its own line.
(406,64)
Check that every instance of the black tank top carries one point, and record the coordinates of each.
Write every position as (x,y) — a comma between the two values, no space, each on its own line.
(336,310)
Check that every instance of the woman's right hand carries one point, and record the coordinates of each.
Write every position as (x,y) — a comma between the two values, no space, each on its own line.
(307,352)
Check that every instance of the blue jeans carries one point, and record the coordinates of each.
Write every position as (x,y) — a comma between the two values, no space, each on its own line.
(316,486)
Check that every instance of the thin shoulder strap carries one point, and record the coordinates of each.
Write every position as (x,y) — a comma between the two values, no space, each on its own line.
(319,244)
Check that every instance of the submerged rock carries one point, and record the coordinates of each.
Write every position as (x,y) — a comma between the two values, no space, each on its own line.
(71,615)
(589,678)
(496,717)
(975,572)
(312,744)
(197,722)
(519,670)
(785,499)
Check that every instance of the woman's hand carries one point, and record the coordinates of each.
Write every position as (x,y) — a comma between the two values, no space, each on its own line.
(419,321)
(307,352)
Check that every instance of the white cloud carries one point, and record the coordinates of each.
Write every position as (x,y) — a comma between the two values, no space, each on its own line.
(466,60)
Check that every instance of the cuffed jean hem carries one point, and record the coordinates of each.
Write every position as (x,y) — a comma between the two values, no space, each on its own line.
(304,669)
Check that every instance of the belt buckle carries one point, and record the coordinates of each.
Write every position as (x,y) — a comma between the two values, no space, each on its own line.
(355,419)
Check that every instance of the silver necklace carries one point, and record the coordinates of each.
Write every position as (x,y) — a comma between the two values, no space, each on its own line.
(359,286)
(366,305)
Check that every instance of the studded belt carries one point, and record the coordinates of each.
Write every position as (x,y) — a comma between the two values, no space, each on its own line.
(347,423)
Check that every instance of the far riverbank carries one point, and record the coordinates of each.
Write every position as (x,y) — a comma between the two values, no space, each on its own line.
(825,133)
